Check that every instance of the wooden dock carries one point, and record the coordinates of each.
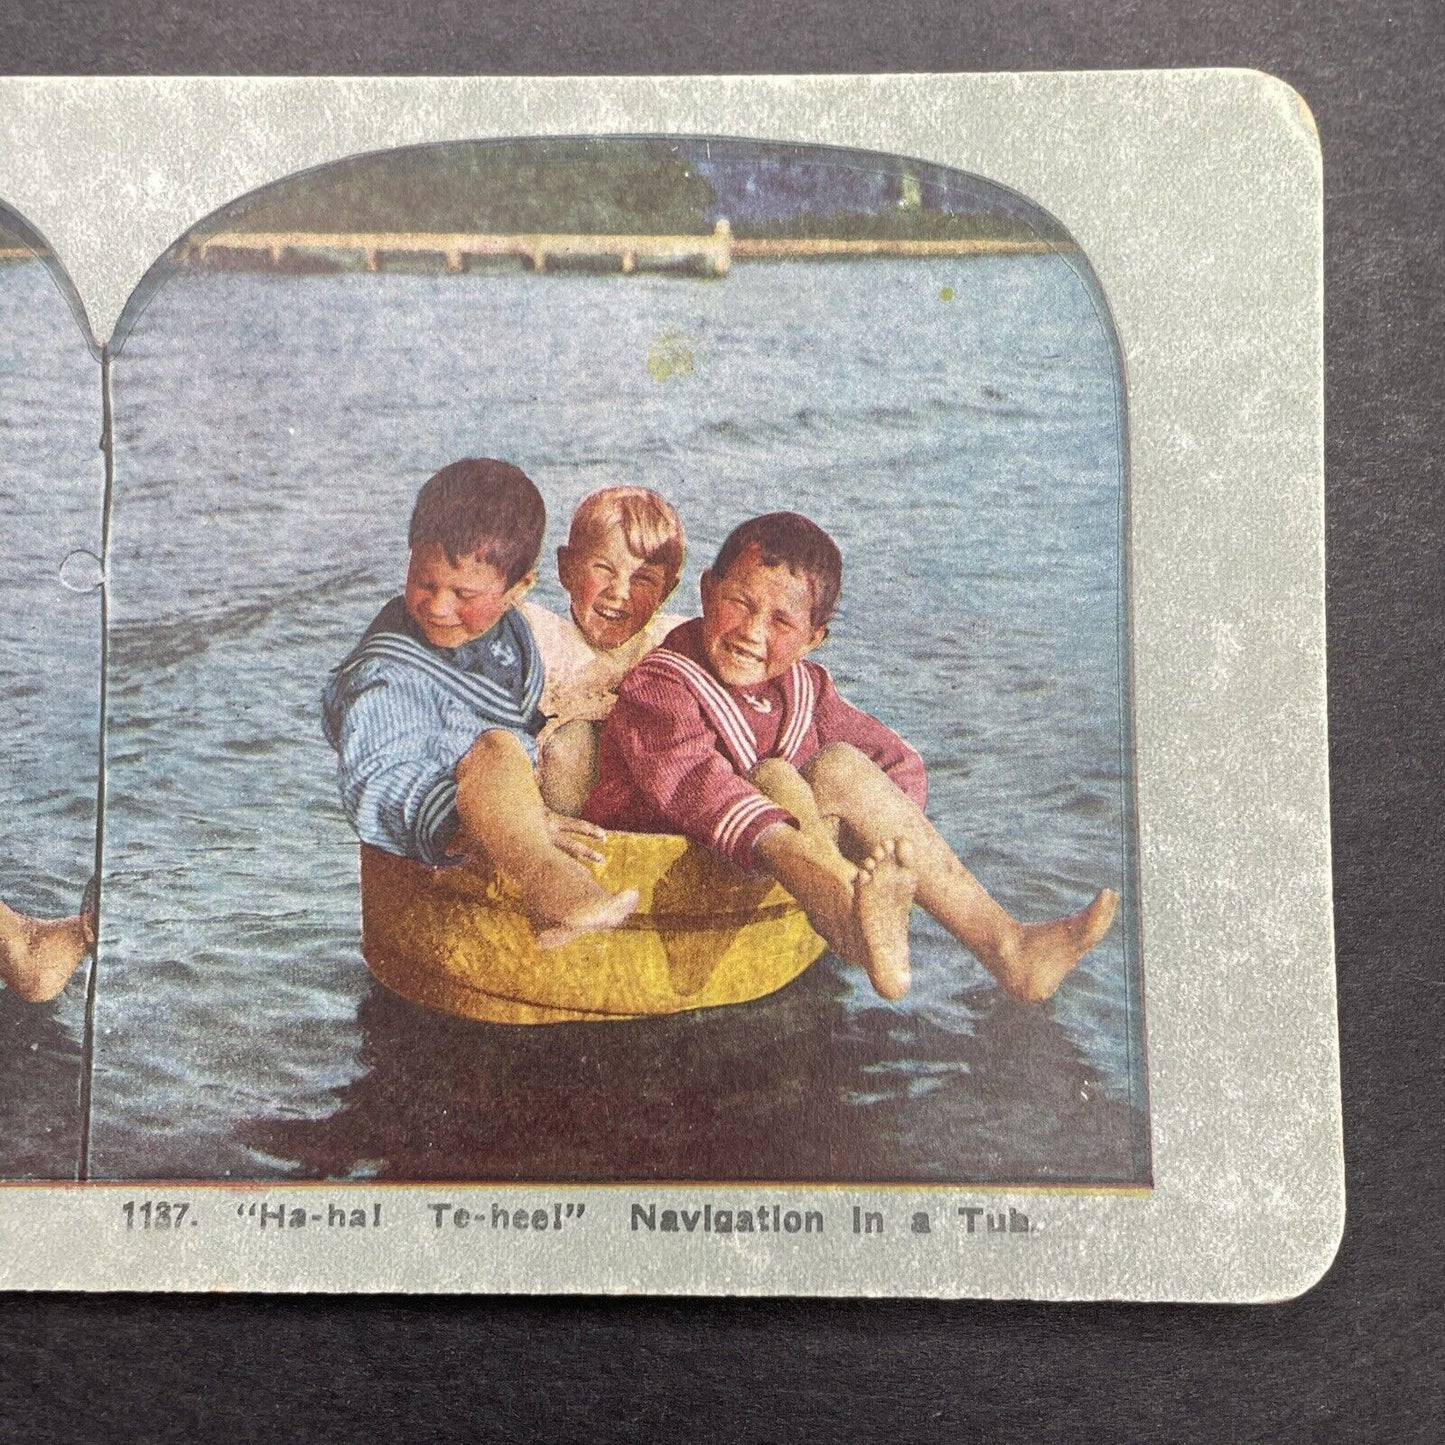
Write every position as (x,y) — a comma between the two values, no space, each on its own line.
(824,249)
(459,252)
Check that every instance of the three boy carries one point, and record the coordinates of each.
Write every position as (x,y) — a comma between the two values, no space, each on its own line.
(725,734)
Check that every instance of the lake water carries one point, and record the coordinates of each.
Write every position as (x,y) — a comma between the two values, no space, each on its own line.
(51,491)
(272,432)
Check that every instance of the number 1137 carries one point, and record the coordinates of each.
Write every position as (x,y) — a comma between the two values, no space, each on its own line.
(154,1214)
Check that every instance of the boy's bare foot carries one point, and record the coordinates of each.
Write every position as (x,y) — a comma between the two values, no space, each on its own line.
(1047,952)
(591,918)
(882,901)
(38,955)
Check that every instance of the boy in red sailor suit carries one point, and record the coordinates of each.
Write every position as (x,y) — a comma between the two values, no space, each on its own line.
(728,735)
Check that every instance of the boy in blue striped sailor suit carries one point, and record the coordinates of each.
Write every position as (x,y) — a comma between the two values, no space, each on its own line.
(434,714)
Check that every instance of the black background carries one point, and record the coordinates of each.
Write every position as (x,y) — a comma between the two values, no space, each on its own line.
(1362,1357)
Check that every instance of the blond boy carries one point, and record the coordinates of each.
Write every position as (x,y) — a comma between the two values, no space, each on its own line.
(621,562)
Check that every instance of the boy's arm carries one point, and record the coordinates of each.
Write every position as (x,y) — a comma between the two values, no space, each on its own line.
(672,757)
(398,752)
(838,721)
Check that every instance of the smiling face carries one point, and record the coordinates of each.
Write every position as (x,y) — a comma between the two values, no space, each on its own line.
(614,592)
(756,621)
(455,602)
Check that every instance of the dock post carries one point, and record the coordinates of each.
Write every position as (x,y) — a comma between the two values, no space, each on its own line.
(722,247)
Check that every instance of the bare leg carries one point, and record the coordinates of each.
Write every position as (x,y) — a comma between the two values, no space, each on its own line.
(503,816)
(567,769)
(861,910)
(1029,960)
(38,955)
(786,786)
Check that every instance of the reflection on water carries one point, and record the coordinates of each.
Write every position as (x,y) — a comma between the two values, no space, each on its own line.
(39,1089)
(795,1087)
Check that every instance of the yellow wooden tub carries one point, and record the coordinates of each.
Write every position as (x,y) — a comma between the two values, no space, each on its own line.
(704,934)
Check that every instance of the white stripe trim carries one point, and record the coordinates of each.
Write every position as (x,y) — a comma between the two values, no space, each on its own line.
(805,699)
(473,686)
(726,713)
(403,647)
(745,820)
(436,807)
(735,822)
(729,714)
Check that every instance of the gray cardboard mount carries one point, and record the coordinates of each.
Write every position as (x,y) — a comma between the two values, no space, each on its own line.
(1196,196)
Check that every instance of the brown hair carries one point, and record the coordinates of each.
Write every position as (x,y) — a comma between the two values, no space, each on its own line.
(650,527)
(786,539)
(479,507)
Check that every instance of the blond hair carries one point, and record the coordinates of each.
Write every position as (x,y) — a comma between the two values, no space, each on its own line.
(650,527)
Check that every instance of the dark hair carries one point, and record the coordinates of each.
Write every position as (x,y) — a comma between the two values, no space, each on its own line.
(483,508)
(787,540)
